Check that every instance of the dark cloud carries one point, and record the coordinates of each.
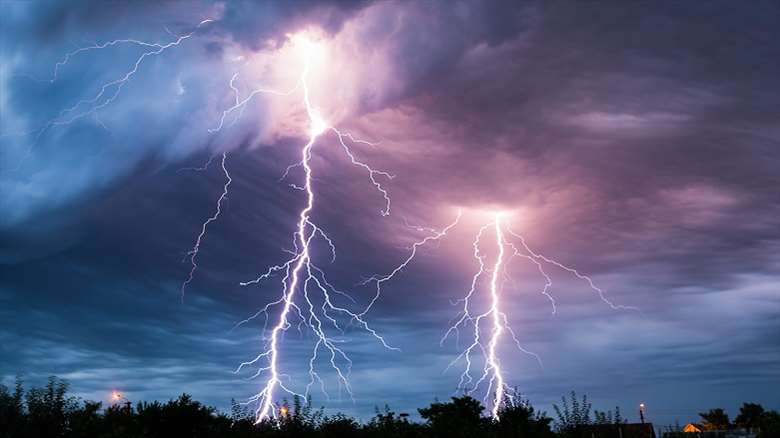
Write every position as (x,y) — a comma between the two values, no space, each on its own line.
(254,23)
(636,142)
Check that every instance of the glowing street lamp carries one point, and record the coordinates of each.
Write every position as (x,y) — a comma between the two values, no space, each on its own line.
(117,397)
(642,413)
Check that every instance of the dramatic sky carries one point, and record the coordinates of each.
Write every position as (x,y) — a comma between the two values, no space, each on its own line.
(637,142)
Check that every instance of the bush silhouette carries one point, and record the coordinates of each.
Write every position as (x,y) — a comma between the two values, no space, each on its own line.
(461,417)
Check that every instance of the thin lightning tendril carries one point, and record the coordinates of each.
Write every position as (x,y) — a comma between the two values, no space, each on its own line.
(193,253)
(379,280)
(94,104)
(536,257)
(109,91)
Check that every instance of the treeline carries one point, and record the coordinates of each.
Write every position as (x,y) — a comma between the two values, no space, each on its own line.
(751,417)
(50,412)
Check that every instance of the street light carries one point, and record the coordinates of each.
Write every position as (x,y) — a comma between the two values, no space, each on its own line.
(642,412)
(117,397)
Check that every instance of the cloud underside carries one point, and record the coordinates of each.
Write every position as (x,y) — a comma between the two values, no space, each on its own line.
(638,143)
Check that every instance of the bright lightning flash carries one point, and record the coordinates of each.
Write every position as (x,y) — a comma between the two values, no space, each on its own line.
(488,326)
(307,296)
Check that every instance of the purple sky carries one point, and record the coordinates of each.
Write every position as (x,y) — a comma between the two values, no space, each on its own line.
(636,142)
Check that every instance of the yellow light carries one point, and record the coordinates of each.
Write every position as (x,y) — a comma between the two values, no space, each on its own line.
(116,395)
(284,410)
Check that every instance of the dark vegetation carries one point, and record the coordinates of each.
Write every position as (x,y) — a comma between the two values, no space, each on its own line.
(751,416)
(51,413)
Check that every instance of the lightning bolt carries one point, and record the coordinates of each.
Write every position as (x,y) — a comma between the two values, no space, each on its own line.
(499,322)
(496,316)
(307,296)
(487,327)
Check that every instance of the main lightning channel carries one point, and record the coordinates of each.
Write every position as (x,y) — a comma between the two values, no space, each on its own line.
(301,278)
(498,328)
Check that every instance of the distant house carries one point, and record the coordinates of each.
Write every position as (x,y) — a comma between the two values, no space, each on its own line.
(692,427)
(626,430)
(693,430)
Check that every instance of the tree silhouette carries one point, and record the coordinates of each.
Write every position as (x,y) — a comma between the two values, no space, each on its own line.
(770,425)
(715,419)
(461,417)
(48,408)
(750,415)
(12,414)
(339,426)
(86,421)
(301,420)
(603,418)
(573,415)
(386,424)
(50,412)
(518,419)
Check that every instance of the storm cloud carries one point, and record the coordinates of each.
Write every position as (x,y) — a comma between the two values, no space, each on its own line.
(636,142)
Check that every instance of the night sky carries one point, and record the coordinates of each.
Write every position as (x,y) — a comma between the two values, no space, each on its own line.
(635,141)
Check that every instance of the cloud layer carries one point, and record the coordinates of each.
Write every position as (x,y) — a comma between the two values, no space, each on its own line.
(638,143)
